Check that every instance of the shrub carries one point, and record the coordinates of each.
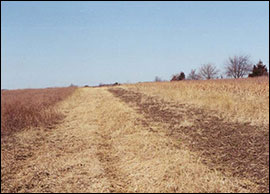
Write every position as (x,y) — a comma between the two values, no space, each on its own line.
(178,77)
(193,75)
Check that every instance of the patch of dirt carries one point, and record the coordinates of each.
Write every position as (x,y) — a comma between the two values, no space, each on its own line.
(235,149)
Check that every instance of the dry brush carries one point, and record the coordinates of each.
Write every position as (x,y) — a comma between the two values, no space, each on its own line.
(21,109)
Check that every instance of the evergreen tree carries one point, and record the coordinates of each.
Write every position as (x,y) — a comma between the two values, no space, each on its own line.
(259,70)
(182,76)
(178,77)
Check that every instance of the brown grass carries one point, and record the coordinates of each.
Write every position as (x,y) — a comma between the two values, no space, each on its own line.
(242,100)
(235,149)
(104,145)
(149,137)
(26,108)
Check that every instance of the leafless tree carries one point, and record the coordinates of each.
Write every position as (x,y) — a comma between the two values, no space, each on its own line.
(238,66)
(208,71)
(193,75)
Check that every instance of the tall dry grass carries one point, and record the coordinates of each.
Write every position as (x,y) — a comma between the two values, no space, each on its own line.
(30,108)
(241,100)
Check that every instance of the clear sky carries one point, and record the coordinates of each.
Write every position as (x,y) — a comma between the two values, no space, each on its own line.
(46,44)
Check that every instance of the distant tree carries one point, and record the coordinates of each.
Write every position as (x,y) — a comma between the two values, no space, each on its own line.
(174,77)
(208,71)
(72,85)
(238,66)
(182,76)
(221,76)
(193,75)
(116,84)
(178,77)
(259,70)
(157,79)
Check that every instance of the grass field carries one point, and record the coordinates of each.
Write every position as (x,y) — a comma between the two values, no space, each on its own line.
(243,100)
(188,136)
(30,108)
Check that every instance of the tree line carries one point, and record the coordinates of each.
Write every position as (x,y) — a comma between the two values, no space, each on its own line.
(235,67)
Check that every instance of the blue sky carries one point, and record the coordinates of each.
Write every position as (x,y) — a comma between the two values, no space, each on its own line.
(46,44)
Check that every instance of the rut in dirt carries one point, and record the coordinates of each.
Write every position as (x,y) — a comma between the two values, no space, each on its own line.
(110,164)
(235,149)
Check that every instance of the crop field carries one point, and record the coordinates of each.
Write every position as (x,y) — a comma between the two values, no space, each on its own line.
(185,136)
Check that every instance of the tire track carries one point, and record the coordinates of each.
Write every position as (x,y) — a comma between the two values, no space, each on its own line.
(107,153)
(109,162)
(75,156)
(235,149)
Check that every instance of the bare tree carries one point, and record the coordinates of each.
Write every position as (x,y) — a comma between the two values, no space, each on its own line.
(193,75)
(238,66)
(208,71)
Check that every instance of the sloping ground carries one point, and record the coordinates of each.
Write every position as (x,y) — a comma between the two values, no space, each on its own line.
(235,149)
(120,141)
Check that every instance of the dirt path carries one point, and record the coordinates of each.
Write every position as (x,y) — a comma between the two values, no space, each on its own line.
(113,142)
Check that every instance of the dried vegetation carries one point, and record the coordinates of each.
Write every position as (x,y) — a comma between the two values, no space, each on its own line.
(26,108)
(242,100)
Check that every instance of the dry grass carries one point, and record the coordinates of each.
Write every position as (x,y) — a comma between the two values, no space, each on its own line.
(59,160)
(243,100)
(237,150)
(26,108)
(150,161)
(116,140)
(103,145)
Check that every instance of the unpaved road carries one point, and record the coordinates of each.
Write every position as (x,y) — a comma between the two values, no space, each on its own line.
(117,140)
